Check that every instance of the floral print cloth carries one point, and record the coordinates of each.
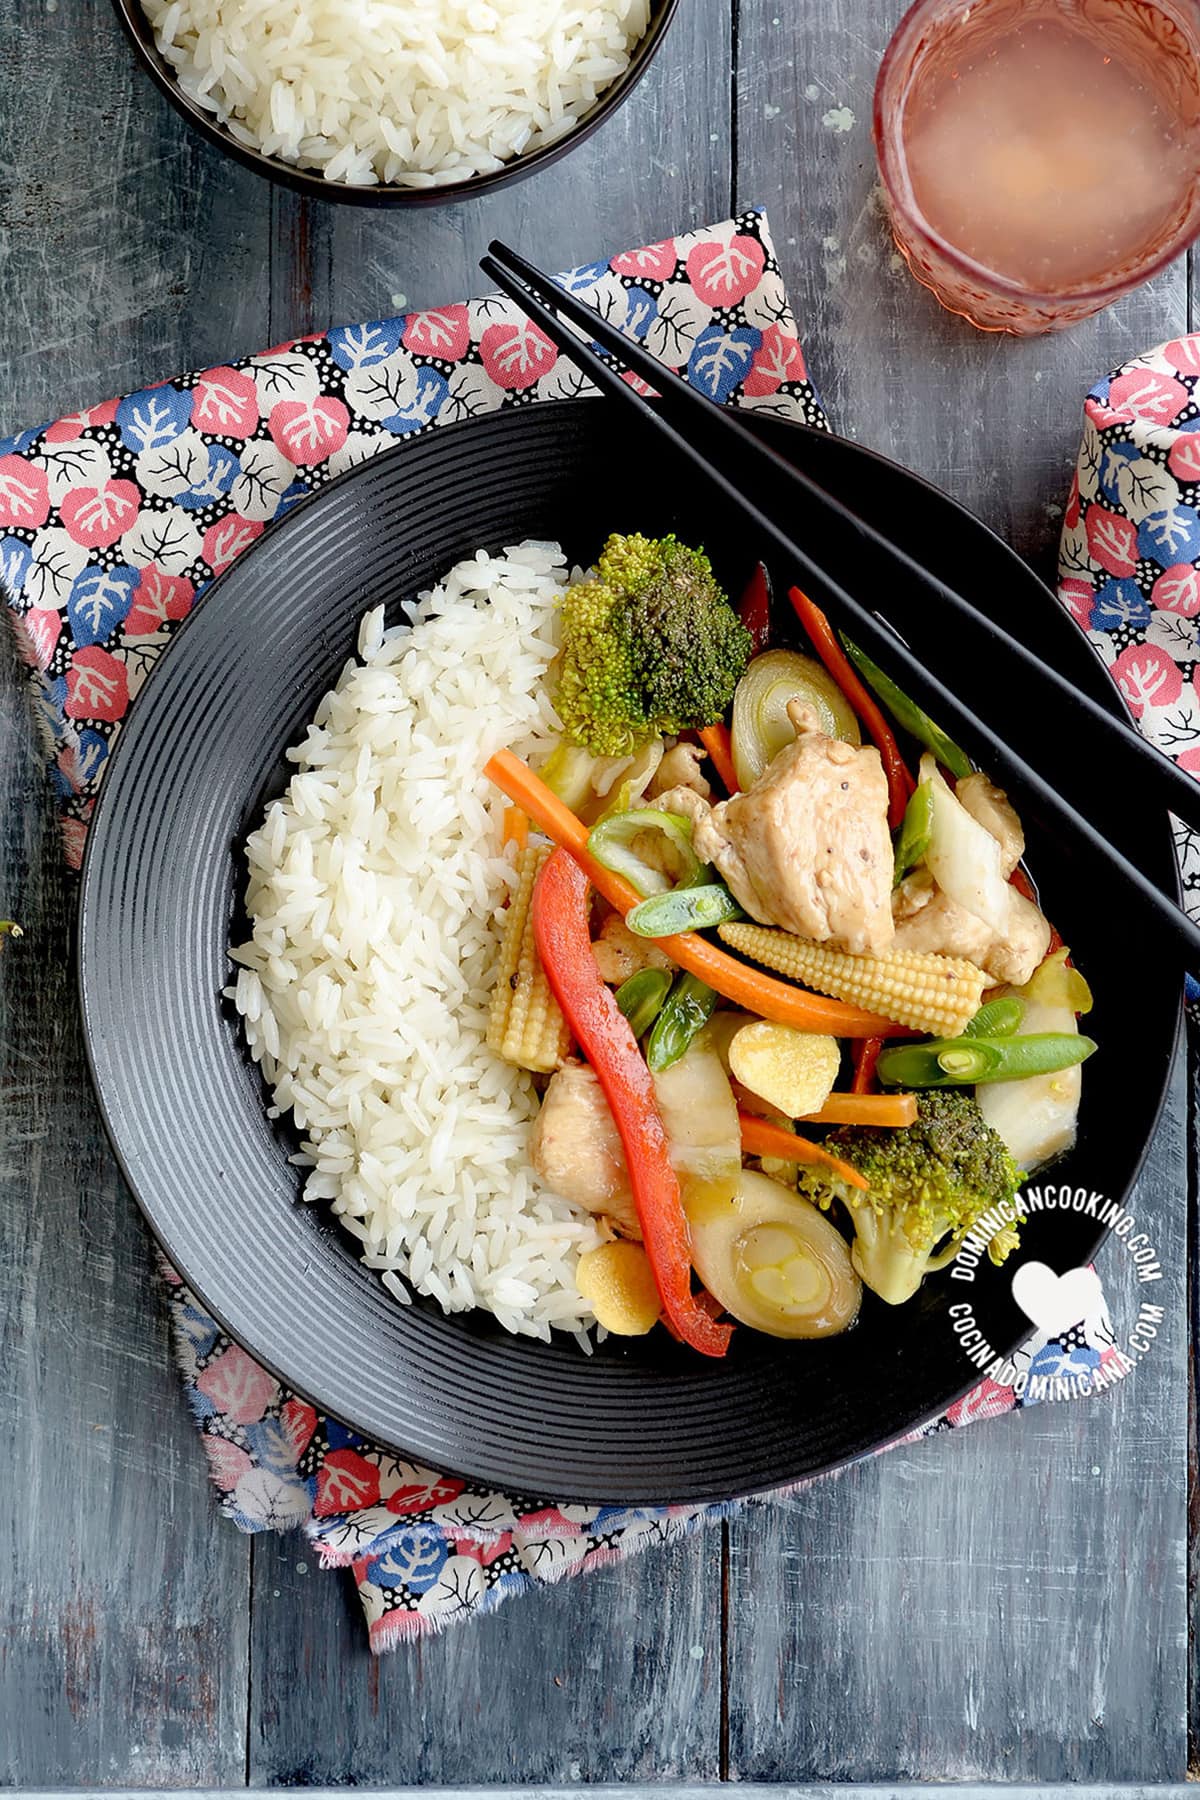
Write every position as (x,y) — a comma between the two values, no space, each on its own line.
(115,520)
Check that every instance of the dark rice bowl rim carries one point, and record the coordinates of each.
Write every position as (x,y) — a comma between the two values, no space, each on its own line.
(311,183)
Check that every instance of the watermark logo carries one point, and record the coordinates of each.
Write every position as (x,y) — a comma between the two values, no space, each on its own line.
(1073,1349)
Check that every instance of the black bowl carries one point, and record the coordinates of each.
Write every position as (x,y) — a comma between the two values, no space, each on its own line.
(308,181)
(184,1105)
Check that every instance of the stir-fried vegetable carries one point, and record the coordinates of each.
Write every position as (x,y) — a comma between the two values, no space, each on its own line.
(996,1019)
(961,1061)
(717,742)
(917,988)
(908,714)
(761,727)
(700,1115)
(641,998)
(560,915)
(746,987)
(866,1055)
(926,1187)
(793,1071)
(892,1110)
(754,609)
(525,1023)
(613,844)
(964,858)
(685,1012)
(684,909)
(775,1263)
(618,1283)
(916,831)
(824,641)
(763,1137)
(1036,1117)
(650,645)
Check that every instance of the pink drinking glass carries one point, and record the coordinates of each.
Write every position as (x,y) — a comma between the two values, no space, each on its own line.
(1162,36)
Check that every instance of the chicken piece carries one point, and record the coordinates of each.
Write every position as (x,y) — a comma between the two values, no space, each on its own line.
(620,953)
(680,768)
(684,801)
(993,809)
(947,929)
(808,847)
(576,1148)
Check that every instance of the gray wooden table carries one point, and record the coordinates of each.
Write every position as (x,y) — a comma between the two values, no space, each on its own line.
(1006,1604)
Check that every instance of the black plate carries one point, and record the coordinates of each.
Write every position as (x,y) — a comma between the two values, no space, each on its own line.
(185,1106)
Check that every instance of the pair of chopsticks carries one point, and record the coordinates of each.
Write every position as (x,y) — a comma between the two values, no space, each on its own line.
(1008,681)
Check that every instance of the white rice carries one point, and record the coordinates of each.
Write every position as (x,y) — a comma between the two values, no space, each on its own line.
(411,92)
(376,891)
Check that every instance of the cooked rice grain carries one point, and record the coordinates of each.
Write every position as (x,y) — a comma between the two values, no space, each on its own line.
(414,93)
(376,892)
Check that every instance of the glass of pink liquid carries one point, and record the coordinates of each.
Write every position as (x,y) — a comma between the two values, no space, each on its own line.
(1040,157)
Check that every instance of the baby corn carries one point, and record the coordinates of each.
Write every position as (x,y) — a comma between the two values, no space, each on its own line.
(525,1025)
(939,994)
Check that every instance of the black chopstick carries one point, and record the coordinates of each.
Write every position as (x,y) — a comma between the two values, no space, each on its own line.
(880,642)
(1093,731)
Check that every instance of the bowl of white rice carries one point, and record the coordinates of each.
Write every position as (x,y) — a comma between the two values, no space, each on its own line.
(394,102)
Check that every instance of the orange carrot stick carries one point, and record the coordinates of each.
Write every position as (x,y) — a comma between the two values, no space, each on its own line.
(715,739)
(824,642)
(761,1138)
(747,987)
(866,1109)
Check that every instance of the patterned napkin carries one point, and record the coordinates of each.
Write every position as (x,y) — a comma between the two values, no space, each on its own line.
(112,524)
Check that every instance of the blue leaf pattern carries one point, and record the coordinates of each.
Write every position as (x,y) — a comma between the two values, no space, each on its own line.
(100,599)
(423,409)
(14,560)
(1120,603)
(576,281)
(153,418)
(1171,536)
(362,346)
(720,359)
(1112,461)
(642,310)
(223,468)
(413,1561)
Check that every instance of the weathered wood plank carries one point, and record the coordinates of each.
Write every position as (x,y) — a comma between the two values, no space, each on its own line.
(128,248)
(616,1676)
(752,1791)
(611,1677)
(128,251)
(123,1598)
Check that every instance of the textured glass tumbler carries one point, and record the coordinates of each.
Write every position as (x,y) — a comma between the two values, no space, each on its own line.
(1159,39)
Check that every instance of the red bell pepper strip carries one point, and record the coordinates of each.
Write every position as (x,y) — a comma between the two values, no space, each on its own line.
(754,609)
(824,641)
(715,739)
(560,926)
(866,1055)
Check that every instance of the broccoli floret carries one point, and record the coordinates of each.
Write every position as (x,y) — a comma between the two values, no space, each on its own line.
(930,1183)
(650,645)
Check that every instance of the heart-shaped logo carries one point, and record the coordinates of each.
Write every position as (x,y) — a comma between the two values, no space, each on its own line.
(1056,1302)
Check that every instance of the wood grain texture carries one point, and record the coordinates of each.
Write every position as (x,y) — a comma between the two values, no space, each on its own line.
(751,1791)
(129,249)
(615,1677)
(123,1598)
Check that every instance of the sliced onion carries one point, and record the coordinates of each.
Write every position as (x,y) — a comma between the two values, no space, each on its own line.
(761,727)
